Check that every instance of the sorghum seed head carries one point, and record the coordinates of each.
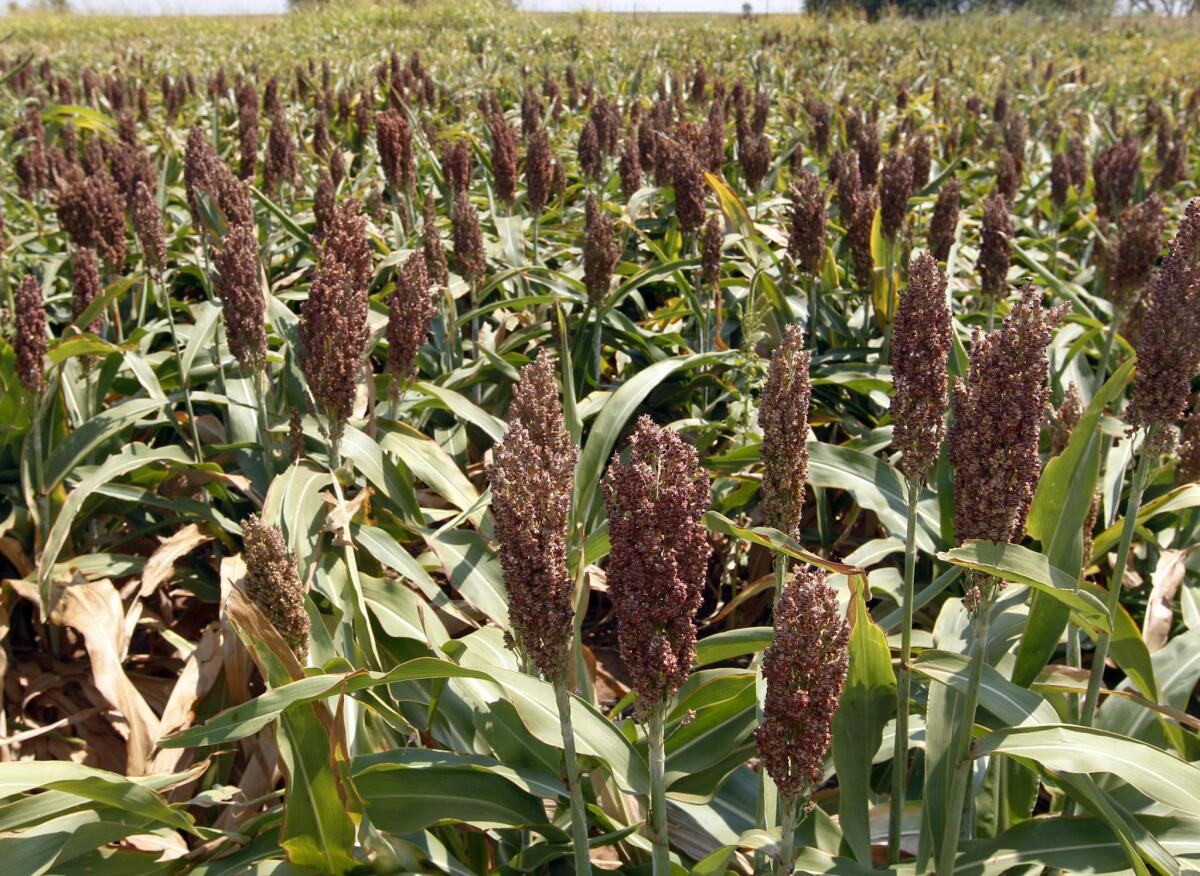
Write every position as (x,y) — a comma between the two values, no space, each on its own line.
(147,225)
(600,253)
(538,169)
(591,159)
(1168,344)
(85,287)
(806,231)
(659,559)
(532,476)
(688,181)
(333,321)
(944,222)
(805,670)
(92,210)
(410,310)
(995,246)
(783,418)
(271,582)
(711,243)
(895,188)
(1137,250)
(30,336)
(469,259)
(1114,171)
(431,245)
(630,168)
(504,157)
(240,289)
(393,139)
(862,217)
(247,100)
(998,410)
(1060,179)
(1064,419)
(921,341)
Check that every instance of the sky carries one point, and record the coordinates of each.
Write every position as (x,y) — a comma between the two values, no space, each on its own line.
(267,7)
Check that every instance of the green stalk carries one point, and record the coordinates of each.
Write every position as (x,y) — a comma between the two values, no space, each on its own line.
(537,223)
(183,381)
(1136,488)
(579,832)
(962,758)
(814,315)
(658,793)
(904,678)
(787,836)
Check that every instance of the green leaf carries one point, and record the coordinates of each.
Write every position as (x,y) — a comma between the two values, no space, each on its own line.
(132,458)
(1156,773)
(100,786)
(1012,704)
(403,800)
(76,446)
(728,644)
(779,542)
(1057,516)
(1019,565)
(250,717)
(868,701)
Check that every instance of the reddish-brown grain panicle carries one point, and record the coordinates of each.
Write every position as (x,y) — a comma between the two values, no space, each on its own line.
(30,336)
(711,243)
(469,259)
(393,139)
(1168,344)
(532,477)
(1114,172)
(895,188)
(1140,242)
(85,287)
(921,341)
(92,210)
(688,181)
(943,225)
(995,246)
(1060,179)
(410,310)
(806,222)
(630,168)
(600,252)
(431,245)
(998,410)
(659,559)
(805,670)
(920,154)
(504,157)
(239,287)
(783,418)
(147,225)
(819,123)
(333,321)
(272,584)
(324,203)
(866,201)
(591,159)
(247,101)
(538,169)
(280,164)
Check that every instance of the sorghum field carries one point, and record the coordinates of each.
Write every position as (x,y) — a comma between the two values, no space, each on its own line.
(439,439)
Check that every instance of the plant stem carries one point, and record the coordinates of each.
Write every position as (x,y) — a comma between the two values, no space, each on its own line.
(904,678)
(1136,488)
(183,378)
(787,835)
(962,753)
(1106,350)
(579,832)
(537,227)
(658,792)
